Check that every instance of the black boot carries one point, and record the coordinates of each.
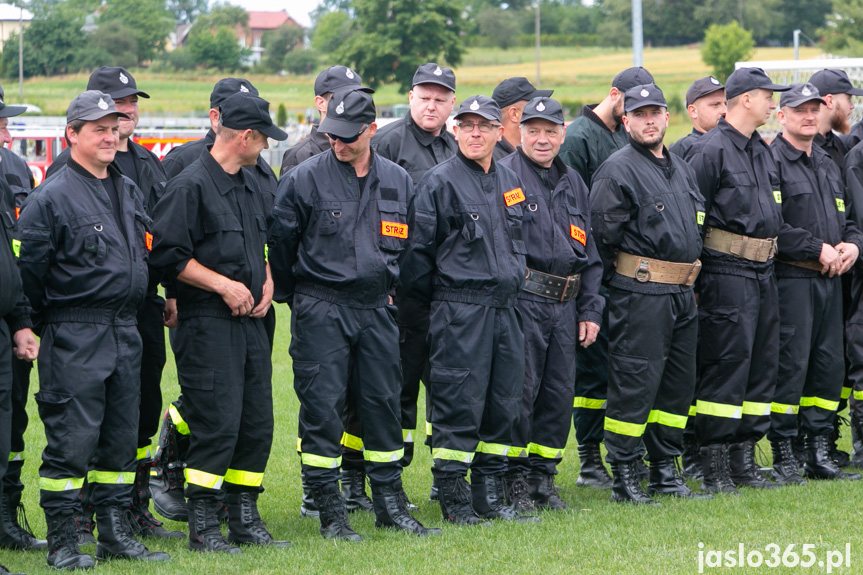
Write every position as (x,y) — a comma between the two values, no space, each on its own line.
(354,491)
(744,471)
(116,540)
(390,510)
(665,479)
(433,491)
(333,513)
(592,473)
(454,496)
(143,522)
(166,488)
(839,457)
(691,458)
(798,447)
(542,492)
(517,492)
(857,440)
(63,552)
(245,525)
(85,522)
(204,532)
(717,475)
(626,488)
(12,534)
(785,468)
(487,496)
(307,505)
(819,464)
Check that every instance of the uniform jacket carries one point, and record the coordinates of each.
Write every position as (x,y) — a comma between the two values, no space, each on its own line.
(17,174)
(813,206)
(76,262)
(14,307)
(502,149)
(205,215)
(854,185)
(314,144)
(855,137)
(466,243)
(737,178)
(835,148)
(333,241)
(412,148)
(553,245)
(682,146)
(645,209)
(589,142)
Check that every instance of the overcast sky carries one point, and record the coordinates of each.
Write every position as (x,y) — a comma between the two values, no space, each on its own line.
(297,9)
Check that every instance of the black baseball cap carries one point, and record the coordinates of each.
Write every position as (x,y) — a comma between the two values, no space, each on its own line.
(834,82)
(336,77)
(543,108)
(244,111)
(431,73)
(800,93)
(349,111)
(514,90)
(630,77)
(702,87)
(228,87)
(481,106)
(115,81)
(641,96)
(90,106)
(747,79)
(9,111)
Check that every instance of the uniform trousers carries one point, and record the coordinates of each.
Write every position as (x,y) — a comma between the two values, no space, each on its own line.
(591,385)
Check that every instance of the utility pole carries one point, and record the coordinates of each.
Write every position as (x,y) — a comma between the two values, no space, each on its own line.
(637,36)
(21,52)
(536,31)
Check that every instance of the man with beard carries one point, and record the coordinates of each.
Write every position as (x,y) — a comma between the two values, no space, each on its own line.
(705,103)
(836,90)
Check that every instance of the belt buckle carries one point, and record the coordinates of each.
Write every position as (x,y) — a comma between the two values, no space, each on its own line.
(773,247)
(564,290)
(693,273)
(642,274)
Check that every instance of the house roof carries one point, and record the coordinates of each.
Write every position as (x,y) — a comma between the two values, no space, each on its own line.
(265,20)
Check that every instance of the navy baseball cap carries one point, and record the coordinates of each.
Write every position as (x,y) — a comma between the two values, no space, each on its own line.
(90,106)
(641,96)
(228,87)
(243,111)
(514,90)
(115,81)
(431,73)
(746,79)
(800,93)
(349,111)
(336,77)
(9,111)
(631,77)
(543,108)
(702,87)
(481,106)
(834,82)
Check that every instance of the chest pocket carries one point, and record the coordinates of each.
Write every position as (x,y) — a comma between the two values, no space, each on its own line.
(225,236)
(576,229)
(329,215)
(471,222)
(736,196)
(393,232)
(514,217)
(89,232)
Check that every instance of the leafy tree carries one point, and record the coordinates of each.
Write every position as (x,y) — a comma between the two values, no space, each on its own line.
(331,31)
(500,26)
(843,32)
(216,48)
(279,42)
(114,44)
(808,15)
(51,45)
(187,11)
(300,61)
(724,46)
(224,14)
(282,116)
(396,36)
(148,20)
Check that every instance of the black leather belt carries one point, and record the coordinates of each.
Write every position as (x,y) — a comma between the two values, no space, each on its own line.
(558,288)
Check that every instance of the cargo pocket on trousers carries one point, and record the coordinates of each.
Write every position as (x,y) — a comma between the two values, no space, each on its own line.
(720,336)
(305,374)
(629,372)
(446,381)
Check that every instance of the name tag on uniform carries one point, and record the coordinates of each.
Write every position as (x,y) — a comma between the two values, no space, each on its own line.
(394,229)
(578,234)
(148,240)
(513,197)
(699,217)
(777,195)
(840,204)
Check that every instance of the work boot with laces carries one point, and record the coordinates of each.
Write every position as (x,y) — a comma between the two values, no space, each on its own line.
(517,493)
(63,551)
(204,531)
(626,487)
(115,537)
(819,463)
(487,496)
(543,492)
(454,496)
(390,511)
(841,458)
(785,468)
(15,531)
(691,458)
(166,487)
(745,472)
(717,474)
(354,491)
(333,513)
(142,521)
(592,472)
(857,440)
(665,479)
(245,526)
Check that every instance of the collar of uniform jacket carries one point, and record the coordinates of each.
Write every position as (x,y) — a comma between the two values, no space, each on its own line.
(224,182)
(113,171)
(553,173)
(588,112)
(738,138)
(668,164)
(473,165)
(319,138)
(423,137)
(370,176)
(793,154)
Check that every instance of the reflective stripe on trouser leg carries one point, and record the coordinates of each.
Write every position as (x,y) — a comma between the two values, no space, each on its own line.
(177,419)
(203,479)
(243,479)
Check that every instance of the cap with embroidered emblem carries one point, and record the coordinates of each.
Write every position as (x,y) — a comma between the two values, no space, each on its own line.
(336,77)
(244,111)
(514,90)
(799,94)
(747,79)
(115,81)
(641,96)
(227,87)
(91,105)
(702,87)
(431,73)
(834,82)
(481,106)
(630,77)
(543,108)
(348,111)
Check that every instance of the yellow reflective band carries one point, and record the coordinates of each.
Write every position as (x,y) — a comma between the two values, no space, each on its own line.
(182,426)
(846,393)
(858,395)
(784,408)
(204,479)
(408,435)
(266,253)
(517,452)
(143,453)
(547,452)
(840,205)
(352,441)
(299,445)
(452,455)
(428,428)
(16,456)
(819,402)
(320,461)
(588,403)
(667,419)
(68,484)
(120,477)
(16,247)
(492,448)
(718,409)
(383,456)
(777,196)
(247,478)
(624,428)
(699,217)
(692,411)
(757,409)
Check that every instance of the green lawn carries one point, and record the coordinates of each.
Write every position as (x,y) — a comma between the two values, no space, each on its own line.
(601,538)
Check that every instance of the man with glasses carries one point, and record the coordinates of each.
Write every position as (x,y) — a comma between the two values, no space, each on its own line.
(466,260)
(337,237)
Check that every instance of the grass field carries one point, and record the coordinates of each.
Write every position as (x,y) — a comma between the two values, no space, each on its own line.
(599,538)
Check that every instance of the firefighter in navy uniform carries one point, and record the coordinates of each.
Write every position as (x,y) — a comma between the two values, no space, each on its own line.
(466,257)
(16,340)
(559,303)
(210,238)
(512,95)
(338,233)
(819,244)
(84,245)
(854,324)
(705,104)
(647,214)
(739,305)
(596,134)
